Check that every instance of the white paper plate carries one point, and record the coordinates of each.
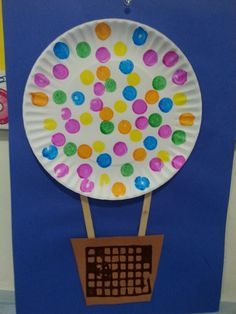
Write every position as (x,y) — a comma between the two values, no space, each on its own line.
(112,109)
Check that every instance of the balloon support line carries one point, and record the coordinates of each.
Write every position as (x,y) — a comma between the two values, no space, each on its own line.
(145,214)
(87,216)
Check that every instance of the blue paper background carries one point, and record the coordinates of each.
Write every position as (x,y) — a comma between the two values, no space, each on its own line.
(190,210)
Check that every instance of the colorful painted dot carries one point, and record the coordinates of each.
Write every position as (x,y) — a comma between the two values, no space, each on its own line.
(139,154)
(178,162)
(98,89)
(70,149)
(61,170)
(139,106)
(127,170)
(126,66)
(135,135)
(110,85)
(150,57)
(180,77)
(77,98)
(83,49)
(120,106)
(103,73)
(155,120)
(104,179)
(159,82)
(150,142)
(141,123)
(87,77)
(106,113)
(103,55)
(165,104)
(84,151)
(96,104)
(50,124)
(139,36)
(186,119)
(106,127)
(86,186)
(141,183)
(86,118)
(65,113)
(163,155)
(98,146)
(178,137)
(180,99)
(170,58)
(72,126)
(124,126)
(39,99)
(50,152)
(61,50)
(103,30)
(58,139)
(133,79)
(104,160)
(59,97)
(165,131)
(129,93)
(60,71)
(156,164)
(84,171)
(120,48)
(118,189)
(120,149)
(41,80)
(151,97)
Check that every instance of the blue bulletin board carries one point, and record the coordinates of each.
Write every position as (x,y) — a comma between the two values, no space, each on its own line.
(190,210)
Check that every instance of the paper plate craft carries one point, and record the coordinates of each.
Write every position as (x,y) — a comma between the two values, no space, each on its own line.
(112,110)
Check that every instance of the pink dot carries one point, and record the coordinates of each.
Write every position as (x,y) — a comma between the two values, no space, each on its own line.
(96,104)
(141,123)
(65,113)
(84,170)
(98,89)
(72,126)
(179,77)
(165,131)
(103,55)
(58,139)
(61,170)
(86,185)
(170,58)
(139,106)
(120,149)
(150,57)
(178,161)
(41,80)
(60,71)
(156,164)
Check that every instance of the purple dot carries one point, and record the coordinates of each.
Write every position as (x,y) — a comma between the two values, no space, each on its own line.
(60,71)
(96,104)
(58,139)
(179,77)
(41,80)
(165,131)
(139,106)
(61,170)
(84,170)
(72,126)
(86,185)
(170,58)
(150,57)
(120,149)
(65,113)
(98,89)
(141,123)
(156,164)
(178,161)
(103,55)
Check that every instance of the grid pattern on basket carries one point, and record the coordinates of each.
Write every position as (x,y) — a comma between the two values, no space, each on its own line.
(116,271)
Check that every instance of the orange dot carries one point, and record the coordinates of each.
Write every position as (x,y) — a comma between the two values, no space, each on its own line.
(106,113)
(151,97)
(186,119)
(103,30)
(103,73)
(39,99)
(124,126)
(139,154)
(118,189)
(84,151)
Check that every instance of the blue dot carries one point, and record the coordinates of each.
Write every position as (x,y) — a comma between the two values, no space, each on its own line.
(104,160)
(126,66)
(129,93)
(140,36)
(150,142)
(50,152)
(141,183)
(165,104)
(78,98)
(61,50)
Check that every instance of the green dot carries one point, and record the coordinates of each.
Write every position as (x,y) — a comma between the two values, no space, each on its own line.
(178,137)
(155,120)
(59,97)
(159,82)
(110,85)
(106,127)
(70,149)
(83,49)
(127,170)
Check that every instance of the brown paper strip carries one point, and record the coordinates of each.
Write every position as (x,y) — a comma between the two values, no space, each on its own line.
(145,213)
(87,217)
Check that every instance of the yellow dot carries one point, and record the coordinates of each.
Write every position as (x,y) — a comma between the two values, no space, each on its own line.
(135,135)
(50,124)
(133,79)
(98,146)
(120,106)
(180,99)
(120,48)
(118,189)
(86,118)
(87,77)
(163,155)
(104,179)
